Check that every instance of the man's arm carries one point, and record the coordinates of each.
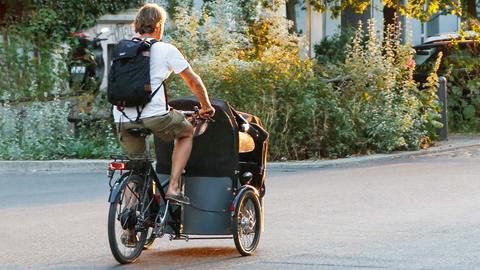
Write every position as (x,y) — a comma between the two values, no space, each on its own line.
(197,87)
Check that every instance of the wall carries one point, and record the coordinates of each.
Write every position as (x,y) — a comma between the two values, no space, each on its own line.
(120,27)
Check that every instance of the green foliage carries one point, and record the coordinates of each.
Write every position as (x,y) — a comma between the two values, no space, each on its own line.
(332,49)
(422,10)
(40,131)
(378,108)
(29,73)
(464,89)
(380,96)
(53,20)
(33,67)
(431,105)
(32,59)
(257,66)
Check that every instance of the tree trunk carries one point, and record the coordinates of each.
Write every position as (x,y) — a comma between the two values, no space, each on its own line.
(472,8)
(291,14)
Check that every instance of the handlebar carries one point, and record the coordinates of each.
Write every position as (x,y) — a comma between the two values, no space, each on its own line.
(196,114)
(199,124)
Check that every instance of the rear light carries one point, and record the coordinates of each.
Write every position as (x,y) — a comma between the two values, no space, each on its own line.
(117,166)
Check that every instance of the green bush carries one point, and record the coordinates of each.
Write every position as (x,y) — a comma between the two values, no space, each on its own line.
(33,122)
(40,130)
(377,107)
(29,73)
(463,72)
(385,109)
(333,49)
(33,68)
(257,66)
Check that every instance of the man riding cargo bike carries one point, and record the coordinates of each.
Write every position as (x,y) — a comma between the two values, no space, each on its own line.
(177,196)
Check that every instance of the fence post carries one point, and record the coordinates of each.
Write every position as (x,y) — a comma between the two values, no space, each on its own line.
(442,96)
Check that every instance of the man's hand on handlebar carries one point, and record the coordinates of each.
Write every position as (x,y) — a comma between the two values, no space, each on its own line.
(206,112)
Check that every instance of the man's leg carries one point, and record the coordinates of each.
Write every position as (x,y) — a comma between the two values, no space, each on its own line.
(169,127)
(180,156)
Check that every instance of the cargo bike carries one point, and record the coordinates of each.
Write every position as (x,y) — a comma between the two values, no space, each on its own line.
(224,179)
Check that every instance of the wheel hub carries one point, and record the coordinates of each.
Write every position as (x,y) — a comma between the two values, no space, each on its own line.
(247,223)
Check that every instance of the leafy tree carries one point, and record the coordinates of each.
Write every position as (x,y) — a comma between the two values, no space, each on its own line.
(421,9)
(470,7)
(54,20)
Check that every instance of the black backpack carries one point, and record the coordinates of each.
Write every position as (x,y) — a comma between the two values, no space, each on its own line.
(129,76)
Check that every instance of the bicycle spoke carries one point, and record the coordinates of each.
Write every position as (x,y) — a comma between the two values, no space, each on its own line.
(133,192)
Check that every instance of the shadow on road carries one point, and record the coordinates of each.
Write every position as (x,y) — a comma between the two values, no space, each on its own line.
(197,252)
(184,258)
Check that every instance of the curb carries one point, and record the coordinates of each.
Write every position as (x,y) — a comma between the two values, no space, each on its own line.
(317,164)
(69,165)
(81,165)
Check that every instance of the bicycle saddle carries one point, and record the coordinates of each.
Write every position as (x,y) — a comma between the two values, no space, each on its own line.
(141,132)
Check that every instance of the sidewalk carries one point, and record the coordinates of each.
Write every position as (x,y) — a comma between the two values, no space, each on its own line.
(454,142)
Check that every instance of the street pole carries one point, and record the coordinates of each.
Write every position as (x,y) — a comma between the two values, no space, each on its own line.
(442,96)
(309,29)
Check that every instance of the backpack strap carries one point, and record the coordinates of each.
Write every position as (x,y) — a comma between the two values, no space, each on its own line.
(150,42)
(121,108)
(139,111)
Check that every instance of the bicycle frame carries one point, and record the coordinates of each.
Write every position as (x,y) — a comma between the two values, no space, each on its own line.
(150,178)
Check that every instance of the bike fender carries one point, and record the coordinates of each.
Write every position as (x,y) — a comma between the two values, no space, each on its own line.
(242,190)
(117,187)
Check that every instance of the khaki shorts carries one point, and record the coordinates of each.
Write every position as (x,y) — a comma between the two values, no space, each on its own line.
(166,127)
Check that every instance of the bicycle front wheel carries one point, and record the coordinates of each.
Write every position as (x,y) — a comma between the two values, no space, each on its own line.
(126,234)
(247,223)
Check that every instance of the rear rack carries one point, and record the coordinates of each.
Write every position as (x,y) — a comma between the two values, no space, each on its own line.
(119,157)
(135,157)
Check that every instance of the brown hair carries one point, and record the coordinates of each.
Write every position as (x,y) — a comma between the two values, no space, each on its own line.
(148,17)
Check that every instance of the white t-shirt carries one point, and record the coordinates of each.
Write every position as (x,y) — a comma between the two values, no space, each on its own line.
(164,59)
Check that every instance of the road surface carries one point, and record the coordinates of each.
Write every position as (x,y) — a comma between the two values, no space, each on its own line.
(421,213)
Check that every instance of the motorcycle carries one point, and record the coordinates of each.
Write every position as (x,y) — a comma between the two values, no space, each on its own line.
(87,66)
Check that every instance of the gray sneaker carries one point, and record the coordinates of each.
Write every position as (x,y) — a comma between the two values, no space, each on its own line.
(178,198)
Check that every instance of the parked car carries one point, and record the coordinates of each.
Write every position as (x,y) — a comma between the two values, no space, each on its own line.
(447,43)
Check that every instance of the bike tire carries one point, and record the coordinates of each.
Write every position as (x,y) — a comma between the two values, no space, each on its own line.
(247,223)
(121,252)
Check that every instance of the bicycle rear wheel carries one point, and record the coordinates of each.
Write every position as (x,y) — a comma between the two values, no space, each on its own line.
(126,234)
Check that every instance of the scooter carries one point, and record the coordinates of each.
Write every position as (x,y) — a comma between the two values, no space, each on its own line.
(87,66)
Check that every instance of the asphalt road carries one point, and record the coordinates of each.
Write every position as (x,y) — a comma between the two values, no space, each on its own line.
(418,213)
